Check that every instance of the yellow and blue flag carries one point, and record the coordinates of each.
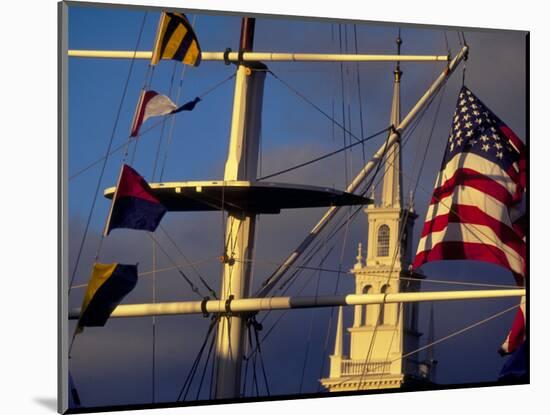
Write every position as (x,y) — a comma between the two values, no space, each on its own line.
(176,40)
(108,286)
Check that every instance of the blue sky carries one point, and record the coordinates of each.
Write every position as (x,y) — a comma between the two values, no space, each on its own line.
(120,354)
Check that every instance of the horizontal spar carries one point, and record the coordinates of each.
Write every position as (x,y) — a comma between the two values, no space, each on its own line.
(266,56)
(246,305)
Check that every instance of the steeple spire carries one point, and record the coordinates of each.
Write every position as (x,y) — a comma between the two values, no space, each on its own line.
(392,187)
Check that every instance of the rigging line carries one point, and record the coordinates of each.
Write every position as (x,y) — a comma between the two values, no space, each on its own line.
(332,270)
(408,134)
(148,80)
(153,321)
(224,220)
(308,342)
(337,227)
(348,99)
(173,120)
(463,37)
(419,147)
(193,287)
(231,357)
(262,363)
(316,248)
(142,133)
(342,93)
(164,120)
(430,136)
(115,150)
(148,73)
(247,362)
(332,153)
(308,268)
(456,333)
(295,91)
(350,172)
(212,372)
(98,186)
(205,367)
(446,43)
(147,273)
(225,258)
(254,376)
(217,85)
(449,336)
(278,320)
(193,370)
(189,263)
(302,288)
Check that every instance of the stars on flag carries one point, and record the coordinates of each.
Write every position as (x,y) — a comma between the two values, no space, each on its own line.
(474,129)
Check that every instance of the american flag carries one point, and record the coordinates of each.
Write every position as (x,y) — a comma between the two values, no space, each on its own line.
(516,336)
(475,209)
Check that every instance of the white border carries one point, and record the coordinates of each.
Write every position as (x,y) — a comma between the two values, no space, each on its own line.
(28,306)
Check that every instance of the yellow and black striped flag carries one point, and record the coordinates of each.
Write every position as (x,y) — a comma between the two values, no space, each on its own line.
(176,40)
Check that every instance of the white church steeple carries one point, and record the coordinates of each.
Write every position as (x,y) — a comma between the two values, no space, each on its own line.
(382,334)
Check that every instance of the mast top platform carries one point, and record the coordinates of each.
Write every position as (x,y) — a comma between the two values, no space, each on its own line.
(246,196)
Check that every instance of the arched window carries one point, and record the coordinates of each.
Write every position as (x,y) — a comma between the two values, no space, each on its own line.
(383,241)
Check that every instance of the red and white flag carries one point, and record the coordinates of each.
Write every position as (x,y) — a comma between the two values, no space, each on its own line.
(153,104)
(150,104)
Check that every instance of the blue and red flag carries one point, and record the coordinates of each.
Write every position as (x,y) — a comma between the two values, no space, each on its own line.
(134,204)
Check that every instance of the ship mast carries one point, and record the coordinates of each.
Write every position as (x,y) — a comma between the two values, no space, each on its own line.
(241,164)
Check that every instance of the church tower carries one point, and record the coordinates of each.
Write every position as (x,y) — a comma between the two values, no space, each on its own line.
(382,334)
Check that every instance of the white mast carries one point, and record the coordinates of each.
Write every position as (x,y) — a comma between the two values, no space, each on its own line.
(241,164)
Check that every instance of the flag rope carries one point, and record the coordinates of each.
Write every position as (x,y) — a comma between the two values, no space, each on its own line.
(107,152)
(142,133)
(327,155)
